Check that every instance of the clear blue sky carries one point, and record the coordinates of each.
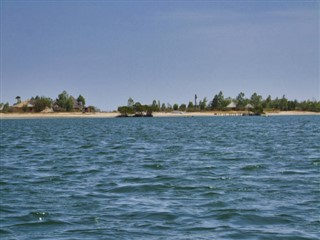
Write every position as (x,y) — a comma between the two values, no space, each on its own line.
(109,51)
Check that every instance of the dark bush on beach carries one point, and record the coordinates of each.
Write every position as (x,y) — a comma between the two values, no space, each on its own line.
(41,103)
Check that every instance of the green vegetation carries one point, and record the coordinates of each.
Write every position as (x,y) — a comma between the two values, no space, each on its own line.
(218,102)
(255,104)
(137,109)
(81,100)
(64,103)
(41,103)
(4,107)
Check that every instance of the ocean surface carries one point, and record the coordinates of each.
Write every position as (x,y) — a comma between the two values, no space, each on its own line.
(160,178)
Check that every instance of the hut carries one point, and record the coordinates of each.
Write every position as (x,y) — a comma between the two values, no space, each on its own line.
(77,106)
(249,107)
(25,106)
(232,106)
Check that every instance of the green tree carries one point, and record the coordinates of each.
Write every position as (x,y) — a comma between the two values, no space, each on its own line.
(18,98)
(155,106)
(175,107)
(5,108)
(190,107)
(218,101)
(130,102)
(65,102)
(267,102)
(81,100)
(93,109)
(25,108)
(41,103)
(163,107)
(275,103)
(183,107)
(138,108)
(124,110)
(241,102)
(69,106)
(292,105)
(195,101)
(256,100)
(203,104)
(283,104)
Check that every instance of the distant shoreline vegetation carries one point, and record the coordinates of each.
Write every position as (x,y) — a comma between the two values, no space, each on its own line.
(256,104)
(63,103)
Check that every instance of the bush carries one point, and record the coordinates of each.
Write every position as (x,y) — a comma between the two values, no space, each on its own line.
(41,103)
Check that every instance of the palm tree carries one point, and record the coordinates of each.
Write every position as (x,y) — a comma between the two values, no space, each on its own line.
(18,98)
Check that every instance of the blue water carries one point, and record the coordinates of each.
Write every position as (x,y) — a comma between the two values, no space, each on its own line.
(161,178)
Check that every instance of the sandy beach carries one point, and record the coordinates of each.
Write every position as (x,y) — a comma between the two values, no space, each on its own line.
(229,113)
(156,114)
(56,115)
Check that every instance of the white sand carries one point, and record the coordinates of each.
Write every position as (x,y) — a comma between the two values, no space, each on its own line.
(156,114)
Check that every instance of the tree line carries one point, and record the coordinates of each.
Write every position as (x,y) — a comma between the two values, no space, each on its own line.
(219,102)
(63,103)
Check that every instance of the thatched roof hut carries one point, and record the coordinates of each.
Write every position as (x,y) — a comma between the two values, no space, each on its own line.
(232,105)
(249,106)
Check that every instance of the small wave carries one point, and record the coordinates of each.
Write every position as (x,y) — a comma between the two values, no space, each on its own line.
(117,146)
(5,209)
(139,188)
(102,153)
(316,162)
(3,183)
(164,216)
(19,147)
(151,216)
(42,222)
(86,146)
(153,166)
(210,194)
(252,167)
(165,178)
(253,219)
(217,204)
(293,172)
(5,231)
(34,219)
(90,171)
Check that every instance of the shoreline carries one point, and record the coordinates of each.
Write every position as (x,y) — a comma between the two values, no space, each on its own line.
(156,114)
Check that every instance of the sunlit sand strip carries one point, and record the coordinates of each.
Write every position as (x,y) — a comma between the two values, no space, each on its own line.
(156,114)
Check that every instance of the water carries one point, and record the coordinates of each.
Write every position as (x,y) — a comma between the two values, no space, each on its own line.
(161,178)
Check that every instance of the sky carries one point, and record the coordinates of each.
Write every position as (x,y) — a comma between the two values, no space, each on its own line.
(169,51)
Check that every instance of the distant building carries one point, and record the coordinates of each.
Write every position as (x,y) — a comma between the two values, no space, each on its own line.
(232,106)
(249,106)
(76,106)
(23,106)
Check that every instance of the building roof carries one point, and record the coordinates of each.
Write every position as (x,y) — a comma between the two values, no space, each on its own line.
(232,105)
(76,104)
(29,103)
(248,106)
(21,104)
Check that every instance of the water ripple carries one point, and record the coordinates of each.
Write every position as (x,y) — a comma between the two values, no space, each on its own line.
(160,178)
